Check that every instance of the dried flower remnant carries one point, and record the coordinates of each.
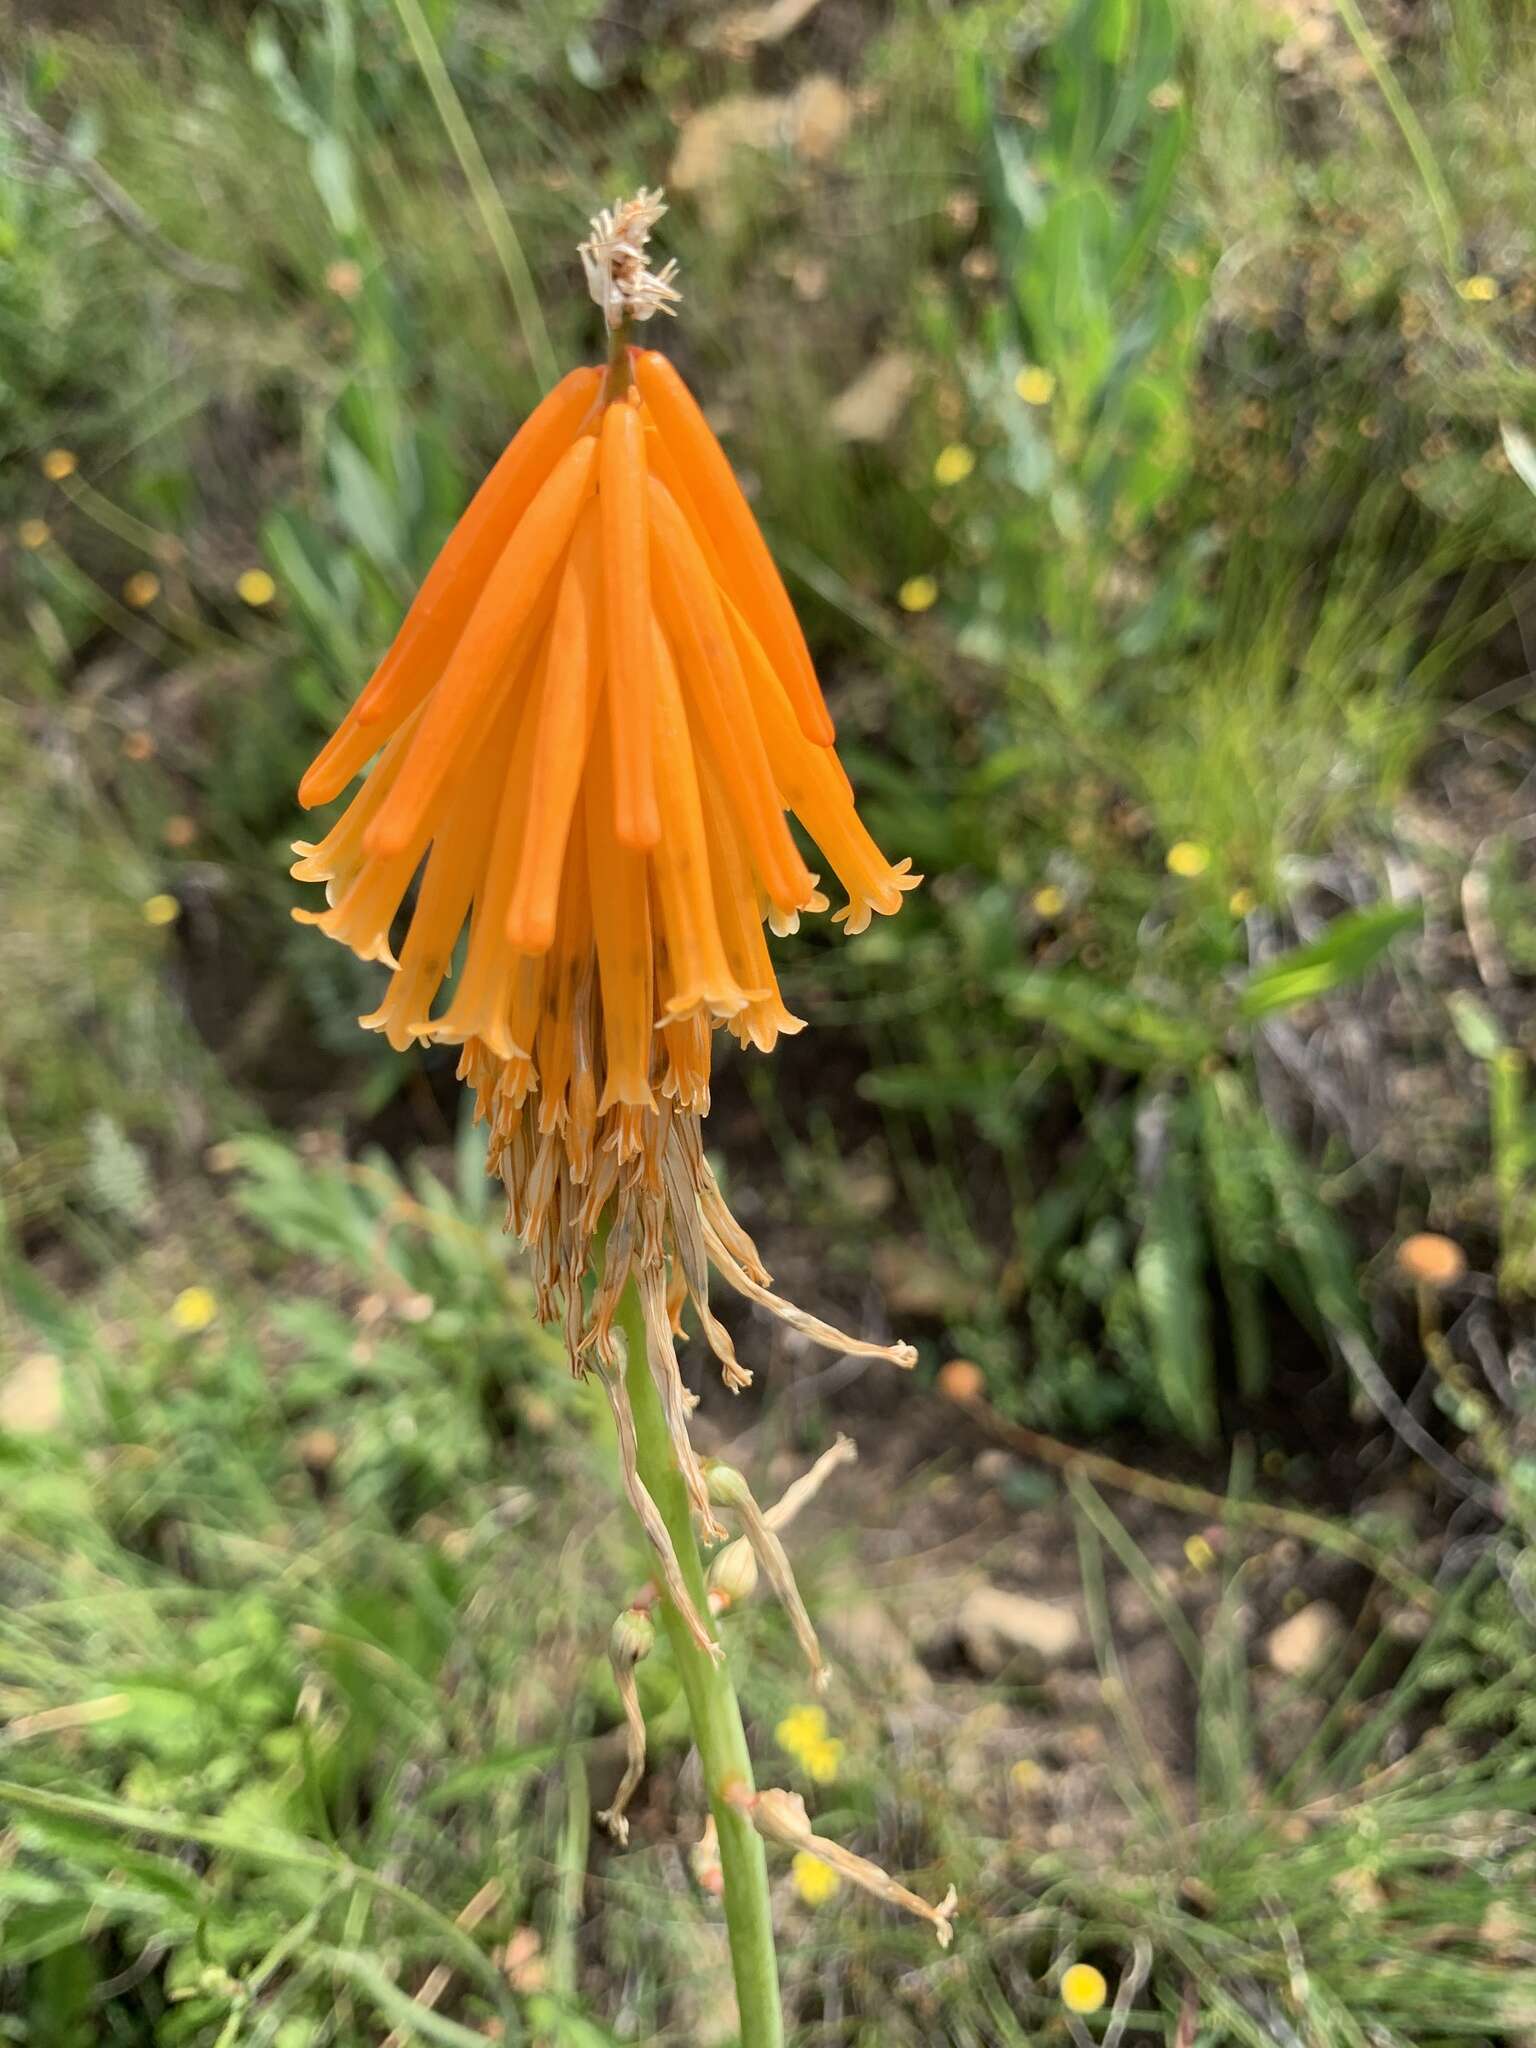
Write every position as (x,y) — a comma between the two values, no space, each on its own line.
(582,745)
(622,284)
(781,1817)
(632,1638)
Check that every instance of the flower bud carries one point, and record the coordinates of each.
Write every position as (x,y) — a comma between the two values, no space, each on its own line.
(727,1488)
(732,1574)
(632,1637)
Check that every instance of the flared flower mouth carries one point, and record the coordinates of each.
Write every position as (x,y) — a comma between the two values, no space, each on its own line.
(583,749)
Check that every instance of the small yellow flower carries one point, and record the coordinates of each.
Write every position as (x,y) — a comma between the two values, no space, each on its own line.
(59,463)
(141,589)
(1083,1988)
(918,594)
(194,1309)
(954,464)
(255,587)
(161,909)
(1048,902)
(822,1759)
(800,1726)
(1026,1776)
(803,1735)
(813,1880)
(1199,1553)
(1242,903)
(1034,385)
(1187,858)
(34,533)
(1480,289)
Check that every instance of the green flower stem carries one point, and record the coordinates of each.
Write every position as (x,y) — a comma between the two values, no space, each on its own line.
(712,1703)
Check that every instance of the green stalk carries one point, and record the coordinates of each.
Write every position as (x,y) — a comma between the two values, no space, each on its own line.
(716,1716)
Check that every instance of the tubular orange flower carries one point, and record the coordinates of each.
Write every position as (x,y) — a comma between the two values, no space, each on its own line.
(586,737)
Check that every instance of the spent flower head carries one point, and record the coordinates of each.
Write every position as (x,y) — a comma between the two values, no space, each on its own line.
(622,284)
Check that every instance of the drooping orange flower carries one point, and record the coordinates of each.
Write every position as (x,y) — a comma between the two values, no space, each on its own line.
(583,745)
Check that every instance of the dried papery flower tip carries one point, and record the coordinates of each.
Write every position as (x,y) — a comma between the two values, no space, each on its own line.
(780,1816)
(730,1490)
(1431,1260)
(676,1400)
(632,1637)
(732,1575)
(733,1571)
(646,1511)
(800,1492)
(621,282)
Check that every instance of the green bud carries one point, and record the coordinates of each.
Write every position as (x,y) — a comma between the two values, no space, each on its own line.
(632,1637)
(727,1488)
(733,1573)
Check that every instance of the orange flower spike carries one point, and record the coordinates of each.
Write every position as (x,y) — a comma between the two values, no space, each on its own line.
(453,584)
(701,973)
(621,918)
(817,791)
(690,610)
(572,689)
(453,873)
(765,1015)
(339,855)
(565,970)
(484,662)
(750,574)
(487,979)
(627,608)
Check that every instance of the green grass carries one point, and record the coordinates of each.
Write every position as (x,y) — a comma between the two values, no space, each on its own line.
(1213,744)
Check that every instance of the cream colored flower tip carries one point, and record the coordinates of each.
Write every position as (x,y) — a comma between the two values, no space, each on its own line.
(620,280)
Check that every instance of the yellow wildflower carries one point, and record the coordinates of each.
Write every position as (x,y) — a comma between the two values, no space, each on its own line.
(1242,903)
(255,587)
(954,464)
(141,589)
(1083,1988)
(1480,289)
(822,1759)
(161,909)
(34,533)
(193,1310)
(803,1735)
(813,1880)
(1034,385)
(1199,1553)
(58,463)
(918,594)
(1187,858)
(1048,902)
